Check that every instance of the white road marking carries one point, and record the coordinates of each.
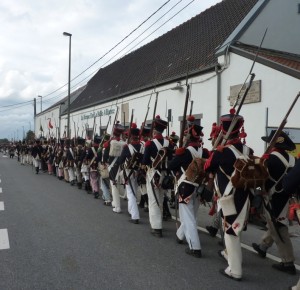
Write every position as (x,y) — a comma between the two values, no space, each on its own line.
(1,205)
(0,189)
(4,241)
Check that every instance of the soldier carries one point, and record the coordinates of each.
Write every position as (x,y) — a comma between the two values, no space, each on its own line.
(216,222)
(93,164)
(188,199)
(277,203)
(104,175)
(234,202)
(70,162)
(112,150)
(131,153)
(36,153)
(174,142)
(141,174)
(157,152)
(85,170)
(78,162)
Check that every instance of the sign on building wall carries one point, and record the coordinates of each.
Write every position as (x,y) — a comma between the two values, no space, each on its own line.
(253,96)
(105,112)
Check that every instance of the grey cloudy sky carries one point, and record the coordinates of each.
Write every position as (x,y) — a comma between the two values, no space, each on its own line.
(34,53)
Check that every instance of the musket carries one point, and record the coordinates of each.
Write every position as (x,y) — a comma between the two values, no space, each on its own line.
(129,131)
(281,126)
(154,113)
(183,125)
(191,108)
(240,100)
(145,120)
(74,131)
(115,120)
(94,124)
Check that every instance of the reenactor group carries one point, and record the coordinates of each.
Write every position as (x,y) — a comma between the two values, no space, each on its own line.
(152,171)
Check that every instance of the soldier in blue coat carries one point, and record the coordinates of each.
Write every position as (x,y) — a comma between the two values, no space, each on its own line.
(235,202)
(157,152)
(188,199)
(131,151)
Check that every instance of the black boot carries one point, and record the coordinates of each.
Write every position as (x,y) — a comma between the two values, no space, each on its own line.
(146,205)
(36,170)
(142,201)
(79,185)
(166,211)
(96,194)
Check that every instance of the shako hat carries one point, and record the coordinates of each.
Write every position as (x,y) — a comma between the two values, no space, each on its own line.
(134,130)
(226,120)
(145,131)
(97,139)
(283,141)
(159,124)
(195,132)
(118,129)
(80,141)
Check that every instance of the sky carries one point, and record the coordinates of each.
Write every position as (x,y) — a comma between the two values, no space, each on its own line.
(34,53)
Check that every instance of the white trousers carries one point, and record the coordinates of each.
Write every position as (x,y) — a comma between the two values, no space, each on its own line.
(37,163)
(155,210)
(234,251)
(132,199)
(188,227)
(115,196)
(71,173)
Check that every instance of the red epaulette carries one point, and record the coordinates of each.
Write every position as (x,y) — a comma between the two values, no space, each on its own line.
(220,148)
(265,156)
(106,144)
(179,151)
(148,143)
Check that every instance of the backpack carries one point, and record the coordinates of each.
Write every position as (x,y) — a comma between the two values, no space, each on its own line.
(249,171)
(195,172)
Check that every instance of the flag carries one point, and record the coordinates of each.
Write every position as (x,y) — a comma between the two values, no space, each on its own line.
(50,126)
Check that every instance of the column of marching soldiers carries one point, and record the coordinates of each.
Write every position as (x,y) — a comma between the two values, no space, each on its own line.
(152,172)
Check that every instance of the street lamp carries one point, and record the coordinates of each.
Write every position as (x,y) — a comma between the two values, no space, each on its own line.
(69,83)
(41,102)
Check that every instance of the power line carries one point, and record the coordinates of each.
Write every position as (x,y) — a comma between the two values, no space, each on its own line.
(137,38)
(62,93)
(111,48)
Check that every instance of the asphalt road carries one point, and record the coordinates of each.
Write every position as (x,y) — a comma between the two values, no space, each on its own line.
(62,238)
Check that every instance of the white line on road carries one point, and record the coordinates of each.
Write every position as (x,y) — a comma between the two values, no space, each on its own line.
(1,205)
(4,242)
(0,189)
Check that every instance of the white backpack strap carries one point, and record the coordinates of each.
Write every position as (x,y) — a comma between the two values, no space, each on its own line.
(71,152)
(195,153)
(157,144)
(166,143)
(287,163)
(131,149)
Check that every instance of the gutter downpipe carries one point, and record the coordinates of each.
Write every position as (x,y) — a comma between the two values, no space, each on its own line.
(218,93)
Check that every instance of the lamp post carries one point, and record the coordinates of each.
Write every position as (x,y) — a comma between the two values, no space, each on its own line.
(69,83)
(41,102)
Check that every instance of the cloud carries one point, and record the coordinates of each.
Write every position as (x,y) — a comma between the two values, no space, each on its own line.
(34,53)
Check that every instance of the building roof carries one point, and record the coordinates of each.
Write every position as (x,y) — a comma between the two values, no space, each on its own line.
(188,48)
(285,62)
